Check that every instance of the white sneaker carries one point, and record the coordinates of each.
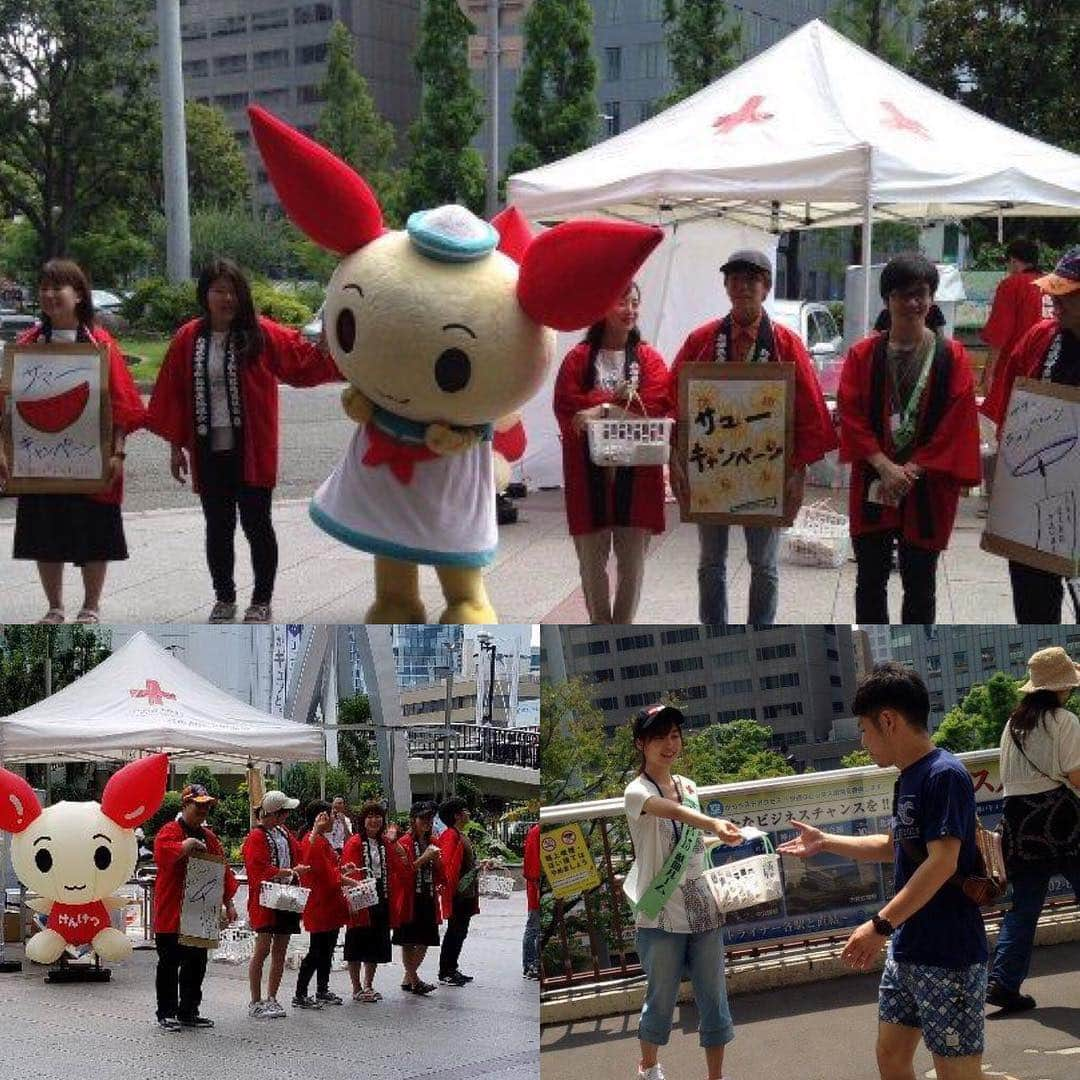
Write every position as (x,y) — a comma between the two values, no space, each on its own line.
(257,1010)
(274,1009)
(652,1073)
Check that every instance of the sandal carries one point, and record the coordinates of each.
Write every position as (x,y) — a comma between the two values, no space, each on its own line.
(88,615)
(366,995)
(53,617)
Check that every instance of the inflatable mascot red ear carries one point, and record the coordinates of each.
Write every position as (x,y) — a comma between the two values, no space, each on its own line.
(443,330)
(74,855)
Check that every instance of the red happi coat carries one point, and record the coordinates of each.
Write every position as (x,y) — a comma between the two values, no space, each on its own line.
(814,432)
(260,867)
(949,457)
(1024,362)
(326,908)
(353,852)
(128,411)
(531,868)
(402,882)
(598,497)
(171,866)
(286,356)
(452,845)
(1017,306)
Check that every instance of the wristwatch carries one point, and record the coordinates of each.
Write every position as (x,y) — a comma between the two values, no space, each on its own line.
(883,926)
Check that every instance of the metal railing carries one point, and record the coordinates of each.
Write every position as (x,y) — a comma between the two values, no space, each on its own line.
(590,939)
(497,746)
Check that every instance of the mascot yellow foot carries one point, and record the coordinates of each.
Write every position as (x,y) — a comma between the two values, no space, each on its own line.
(397,593)
(111,945)
(45,947)
(466,598)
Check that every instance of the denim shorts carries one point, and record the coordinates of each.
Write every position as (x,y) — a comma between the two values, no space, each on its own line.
(948,1004)
(667,958)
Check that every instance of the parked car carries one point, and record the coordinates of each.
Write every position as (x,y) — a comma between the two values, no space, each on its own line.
(12,324)
(815,325)
(313,330)
(107,310)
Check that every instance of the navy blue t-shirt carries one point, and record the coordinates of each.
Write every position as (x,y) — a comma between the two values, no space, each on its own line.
(935,798)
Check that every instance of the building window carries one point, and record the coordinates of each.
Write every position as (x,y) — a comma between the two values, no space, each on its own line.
(683,633)
(933,664)
(901,638)
(774,682)
(312,13)
(271,58)
(227,26)
(687,663)
(837,708)
(788,738)
(196,69)
(193,31)
(694,693)
(607,704)
(646,111)
(653,11)
(636,701)
(1016,652)
(231,101)
(726,716)
(277,95)
(613,64)
(306,95)
(835,680)
(230,65)
(604,675)
(650,60)
(937,701)
(988,657)
(832,654)
(731,658)
(790,708)
(735,686)
(270,20)
(614,11)
(639,671)
(635,641)
(775,652)
(311,54)
(960,663)
(713,631)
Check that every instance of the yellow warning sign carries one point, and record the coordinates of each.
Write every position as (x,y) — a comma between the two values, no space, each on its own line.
(567,864)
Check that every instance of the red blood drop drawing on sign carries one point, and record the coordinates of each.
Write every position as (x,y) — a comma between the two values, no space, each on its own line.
(899,122)
(747,113)
(54,414)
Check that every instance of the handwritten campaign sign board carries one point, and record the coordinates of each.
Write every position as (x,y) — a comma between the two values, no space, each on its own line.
(566,861)
(1034,504)
(200,903)
(736,425)
(57,417)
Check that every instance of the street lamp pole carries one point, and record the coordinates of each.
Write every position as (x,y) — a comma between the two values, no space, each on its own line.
(174,144)
(493,106)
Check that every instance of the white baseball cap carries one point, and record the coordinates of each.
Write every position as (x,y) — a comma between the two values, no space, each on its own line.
(275,801)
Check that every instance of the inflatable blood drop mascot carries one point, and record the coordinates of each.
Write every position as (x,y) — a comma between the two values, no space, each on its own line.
(443,330)
(75,855)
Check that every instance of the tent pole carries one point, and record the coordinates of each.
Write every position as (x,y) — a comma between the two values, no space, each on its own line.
(867,246)
(662,306)
(7,967)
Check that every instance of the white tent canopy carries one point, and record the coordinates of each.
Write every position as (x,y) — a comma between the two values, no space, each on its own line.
(812,132)
(143,698)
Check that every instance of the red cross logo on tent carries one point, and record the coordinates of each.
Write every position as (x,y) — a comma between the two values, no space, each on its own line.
(153,693)
(747,113)
(899,122)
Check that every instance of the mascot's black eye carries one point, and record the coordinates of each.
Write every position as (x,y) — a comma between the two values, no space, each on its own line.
(103,858)
(43,860)
(346,330)
(453,370)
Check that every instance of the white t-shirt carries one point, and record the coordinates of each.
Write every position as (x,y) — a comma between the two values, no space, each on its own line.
(610,368)
(691,909)
(221,434)
(1053,744)
(66,336)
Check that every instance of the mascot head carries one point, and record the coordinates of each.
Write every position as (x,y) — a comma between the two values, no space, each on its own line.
(450,320)
(76,853)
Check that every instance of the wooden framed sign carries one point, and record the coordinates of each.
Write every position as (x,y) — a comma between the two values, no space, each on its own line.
(201,900)
(1034,502)
(56,420)
(736,427)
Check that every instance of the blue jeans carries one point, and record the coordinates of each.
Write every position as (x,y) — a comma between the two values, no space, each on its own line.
(1012,957)
(530,943)
(762,545)
(665,958)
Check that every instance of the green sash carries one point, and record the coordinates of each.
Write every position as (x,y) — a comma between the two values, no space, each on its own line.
(673,871)
(910,413)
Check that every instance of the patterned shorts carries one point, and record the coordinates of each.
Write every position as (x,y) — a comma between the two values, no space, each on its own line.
(946,1003)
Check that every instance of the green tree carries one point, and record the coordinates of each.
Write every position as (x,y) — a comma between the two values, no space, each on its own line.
(301,781)
(879,26)
(700,43)
(217,172)
(350,124)
(356,751)
(444,167)
(75,104)
(976,722)
(113,252)
(71,651)
(555,110)
(729,753)
(855,759)
(576,765)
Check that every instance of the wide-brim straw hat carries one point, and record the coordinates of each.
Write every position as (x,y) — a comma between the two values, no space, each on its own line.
(1051,669)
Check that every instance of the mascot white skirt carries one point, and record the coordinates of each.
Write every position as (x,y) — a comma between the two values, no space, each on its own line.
(443,330)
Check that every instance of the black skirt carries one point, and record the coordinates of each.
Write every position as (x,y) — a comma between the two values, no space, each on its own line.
(68,529)
(369,944)
(285,922)
(424,928)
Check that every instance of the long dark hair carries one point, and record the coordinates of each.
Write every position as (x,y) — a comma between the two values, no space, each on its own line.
(1031,710)
(61,272)
(594,336)
(245,325)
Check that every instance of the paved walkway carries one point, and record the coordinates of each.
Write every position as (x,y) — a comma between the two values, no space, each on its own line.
(826,1031)
(107,1032)
(534,578)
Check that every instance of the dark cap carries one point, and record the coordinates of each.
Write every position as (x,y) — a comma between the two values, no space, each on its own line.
(424,808)
(747,259)
(655,716)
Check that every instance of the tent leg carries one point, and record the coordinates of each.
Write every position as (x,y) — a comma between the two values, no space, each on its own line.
(867,255)
(7,967)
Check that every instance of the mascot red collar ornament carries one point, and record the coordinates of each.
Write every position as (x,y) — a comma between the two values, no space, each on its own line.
(74,855)
(443,330)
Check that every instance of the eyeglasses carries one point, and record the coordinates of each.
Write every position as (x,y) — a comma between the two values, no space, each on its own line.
(921,295)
